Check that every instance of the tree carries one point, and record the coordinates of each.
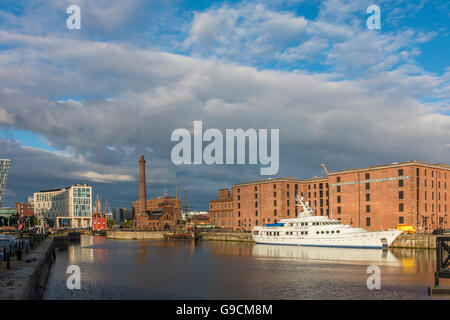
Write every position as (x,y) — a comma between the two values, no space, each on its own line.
(33,221)
(110,222)
(127,224)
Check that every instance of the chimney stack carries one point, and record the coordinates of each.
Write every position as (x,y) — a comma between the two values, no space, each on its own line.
(142,187)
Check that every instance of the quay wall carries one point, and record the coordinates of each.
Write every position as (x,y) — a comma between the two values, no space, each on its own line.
(27,280)
(415,241)
(135,235)
(226,236)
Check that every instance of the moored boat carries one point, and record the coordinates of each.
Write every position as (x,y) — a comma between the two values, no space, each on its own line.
(320,231)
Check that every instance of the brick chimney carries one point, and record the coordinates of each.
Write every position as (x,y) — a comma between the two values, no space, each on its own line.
(142,188)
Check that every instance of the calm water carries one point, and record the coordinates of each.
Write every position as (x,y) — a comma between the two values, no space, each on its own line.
(120,269)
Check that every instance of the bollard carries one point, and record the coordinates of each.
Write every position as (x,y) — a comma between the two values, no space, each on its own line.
(8,266)
(4,253)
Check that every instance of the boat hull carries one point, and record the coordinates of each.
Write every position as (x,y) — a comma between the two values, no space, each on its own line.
(366,240)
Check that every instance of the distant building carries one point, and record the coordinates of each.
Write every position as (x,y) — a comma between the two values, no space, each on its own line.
(24,210)
(122,214)
(157,213)
(65,207)
(4,168)
(6,214)
(221,210)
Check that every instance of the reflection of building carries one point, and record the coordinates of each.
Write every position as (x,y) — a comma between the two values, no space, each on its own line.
(66,207)
(373,198)
(158,213)
(4,168)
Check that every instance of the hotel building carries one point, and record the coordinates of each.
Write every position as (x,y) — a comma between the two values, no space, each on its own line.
(66,207)
(373,198)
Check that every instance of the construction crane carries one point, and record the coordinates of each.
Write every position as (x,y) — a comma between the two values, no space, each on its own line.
(325,168)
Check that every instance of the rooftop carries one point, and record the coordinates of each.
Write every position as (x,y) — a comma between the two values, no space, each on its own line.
(393,165)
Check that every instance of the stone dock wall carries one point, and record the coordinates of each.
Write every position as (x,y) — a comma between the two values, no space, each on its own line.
(27,280)
(135,235)
(415,241)
(226,236)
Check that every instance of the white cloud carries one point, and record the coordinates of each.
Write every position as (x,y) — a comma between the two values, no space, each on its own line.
(104,177)
(6,117)
(243,31)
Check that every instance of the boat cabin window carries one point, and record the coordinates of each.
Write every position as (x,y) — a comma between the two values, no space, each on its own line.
(255,233)
(337,231)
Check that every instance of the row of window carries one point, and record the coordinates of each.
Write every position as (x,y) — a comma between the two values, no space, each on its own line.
(327,232)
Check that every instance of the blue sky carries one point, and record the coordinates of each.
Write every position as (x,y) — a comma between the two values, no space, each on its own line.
(84,104)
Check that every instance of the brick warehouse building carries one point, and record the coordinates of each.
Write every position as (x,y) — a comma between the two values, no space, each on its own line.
(374,198)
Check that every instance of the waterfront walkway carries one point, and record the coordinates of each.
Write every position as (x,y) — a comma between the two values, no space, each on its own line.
(26,278)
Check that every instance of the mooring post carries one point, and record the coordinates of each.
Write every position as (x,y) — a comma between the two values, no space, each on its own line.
(438,261)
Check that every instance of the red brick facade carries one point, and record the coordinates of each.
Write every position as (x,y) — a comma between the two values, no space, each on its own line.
(374,198)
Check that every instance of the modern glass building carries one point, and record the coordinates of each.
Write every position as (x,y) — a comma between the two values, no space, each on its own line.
(66,207)
(4,168)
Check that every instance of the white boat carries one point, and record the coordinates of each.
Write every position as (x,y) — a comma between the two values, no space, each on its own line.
(320,231)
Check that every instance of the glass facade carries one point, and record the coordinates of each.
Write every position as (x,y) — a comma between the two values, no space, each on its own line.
(81,202)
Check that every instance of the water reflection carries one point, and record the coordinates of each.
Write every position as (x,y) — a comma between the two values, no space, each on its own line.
(153,269)
(338,255)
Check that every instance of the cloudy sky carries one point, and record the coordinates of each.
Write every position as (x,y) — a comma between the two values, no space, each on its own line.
(80,106)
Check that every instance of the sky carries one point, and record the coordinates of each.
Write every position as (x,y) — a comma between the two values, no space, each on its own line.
(81,105)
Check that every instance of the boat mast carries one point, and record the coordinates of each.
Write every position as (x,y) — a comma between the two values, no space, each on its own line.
(306,211)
